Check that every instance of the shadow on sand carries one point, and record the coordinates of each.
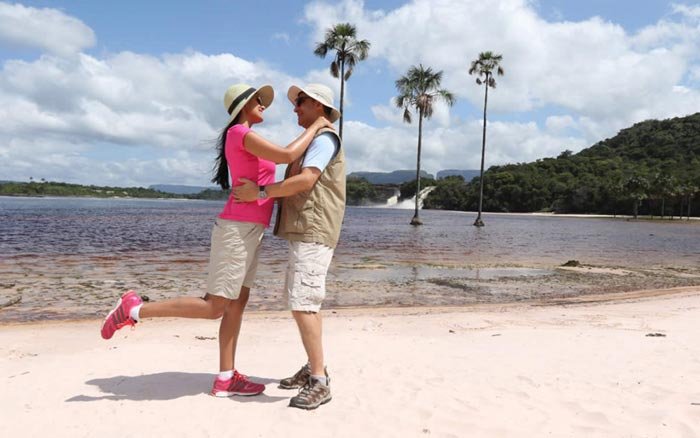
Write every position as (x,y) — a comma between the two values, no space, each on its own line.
(164,386)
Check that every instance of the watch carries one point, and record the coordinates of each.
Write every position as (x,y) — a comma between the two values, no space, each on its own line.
(262,194)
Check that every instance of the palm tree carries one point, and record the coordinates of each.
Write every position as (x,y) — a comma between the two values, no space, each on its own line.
(348,52)
(485,67)
(418,89)
(637,189)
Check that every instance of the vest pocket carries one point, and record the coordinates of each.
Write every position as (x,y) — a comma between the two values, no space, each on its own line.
(303,218)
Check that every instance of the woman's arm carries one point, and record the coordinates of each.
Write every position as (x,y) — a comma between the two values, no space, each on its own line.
(248,190)
(260,147)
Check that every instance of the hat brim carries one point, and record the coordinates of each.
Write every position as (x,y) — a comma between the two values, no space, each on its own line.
(266,93)
(293,93)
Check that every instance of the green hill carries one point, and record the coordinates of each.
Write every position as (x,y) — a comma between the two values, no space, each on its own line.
(653,166)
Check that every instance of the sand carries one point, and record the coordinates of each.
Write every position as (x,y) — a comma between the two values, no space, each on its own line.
(603,366)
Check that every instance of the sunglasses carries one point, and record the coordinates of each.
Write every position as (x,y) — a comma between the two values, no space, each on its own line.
(259,100)
(300,100)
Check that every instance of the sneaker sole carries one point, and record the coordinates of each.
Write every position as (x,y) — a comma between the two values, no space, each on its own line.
(231,394)
(109,315)
(309,408)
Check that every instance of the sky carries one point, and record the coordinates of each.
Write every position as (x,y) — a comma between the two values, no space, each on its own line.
(130,93)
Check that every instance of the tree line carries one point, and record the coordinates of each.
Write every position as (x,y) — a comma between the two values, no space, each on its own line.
(651,168)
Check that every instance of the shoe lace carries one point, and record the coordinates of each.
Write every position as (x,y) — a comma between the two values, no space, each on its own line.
(239,376)
(302,371)
(306,390)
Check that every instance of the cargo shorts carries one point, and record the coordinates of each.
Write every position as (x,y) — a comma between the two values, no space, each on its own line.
(233,258)
(305,280)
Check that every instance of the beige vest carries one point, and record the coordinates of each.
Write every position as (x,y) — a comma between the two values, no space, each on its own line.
(315,215)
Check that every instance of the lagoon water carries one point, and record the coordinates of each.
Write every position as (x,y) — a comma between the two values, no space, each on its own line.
(85,250)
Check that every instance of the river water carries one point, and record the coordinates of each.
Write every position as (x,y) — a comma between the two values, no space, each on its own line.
(70,257)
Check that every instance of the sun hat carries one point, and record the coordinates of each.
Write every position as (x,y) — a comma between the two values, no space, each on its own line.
(238,95)
(319,93)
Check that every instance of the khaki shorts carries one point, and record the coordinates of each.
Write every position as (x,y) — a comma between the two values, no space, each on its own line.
(305,282)
(233,259)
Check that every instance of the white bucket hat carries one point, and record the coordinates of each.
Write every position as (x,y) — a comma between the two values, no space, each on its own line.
(319,93)
(238,95)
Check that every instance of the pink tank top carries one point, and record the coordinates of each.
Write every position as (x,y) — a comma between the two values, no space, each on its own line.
(243,164)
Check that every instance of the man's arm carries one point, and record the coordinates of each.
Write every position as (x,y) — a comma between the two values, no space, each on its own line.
(305,181)
(320,153)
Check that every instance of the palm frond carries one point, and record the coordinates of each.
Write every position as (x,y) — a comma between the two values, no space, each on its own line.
(419,88)
(447,97)
(362,49)
(342,38)
(486,65)
(335,69)
(321,50)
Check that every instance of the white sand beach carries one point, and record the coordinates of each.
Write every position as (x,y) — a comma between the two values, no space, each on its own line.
(582,367)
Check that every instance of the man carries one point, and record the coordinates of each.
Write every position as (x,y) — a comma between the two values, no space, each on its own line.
(309,217)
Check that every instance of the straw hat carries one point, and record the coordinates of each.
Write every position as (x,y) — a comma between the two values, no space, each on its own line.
(319,93)
(238,95)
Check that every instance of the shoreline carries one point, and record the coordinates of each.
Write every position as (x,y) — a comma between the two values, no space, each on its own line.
(533,213)
(345,311)
(367,285)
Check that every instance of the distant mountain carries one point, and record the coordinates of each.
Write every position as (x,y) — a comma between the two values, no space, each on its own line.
(468,174)
(180,190)
(395,177)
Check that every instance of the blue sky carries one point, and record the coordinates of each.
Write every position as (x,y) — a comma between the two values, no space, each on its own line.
(129,93)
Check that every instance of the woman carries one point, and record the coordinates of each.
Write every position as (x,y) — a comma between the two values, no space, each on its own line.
(235,239)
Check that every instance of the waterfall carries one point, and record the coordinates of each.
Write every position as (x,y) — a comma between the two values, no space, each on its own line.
(394,199)
(408,204)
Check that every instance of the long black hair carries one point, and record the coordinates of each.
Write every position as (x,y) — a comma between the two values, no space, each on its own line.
(221,164)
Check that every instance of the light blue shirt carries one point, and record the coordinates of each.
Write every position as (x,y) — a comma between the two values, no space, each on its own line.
(321,151)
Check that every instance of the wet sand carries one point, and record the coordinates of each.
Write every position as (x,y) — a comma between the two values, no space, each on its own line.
(79,287)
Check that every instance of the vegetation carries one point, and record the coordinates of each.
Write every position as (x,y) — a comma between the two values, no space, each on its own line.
(348,52)
(651,168)
(417,91)
(49,188)
(485,67)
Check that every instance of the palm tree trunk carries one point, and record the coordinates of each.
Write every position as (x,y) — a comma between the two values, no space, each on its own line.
(342,96)
(690,200)
(663,208)
(416,220)
(478,222)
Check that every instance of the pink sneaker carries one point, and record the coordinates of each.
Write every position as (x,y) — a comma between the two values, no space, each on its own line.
(119,316)
(237,385)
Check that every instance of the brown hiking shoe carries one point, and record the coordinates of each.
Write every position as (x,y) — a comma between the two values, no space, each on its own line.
(312,395)
(297,380)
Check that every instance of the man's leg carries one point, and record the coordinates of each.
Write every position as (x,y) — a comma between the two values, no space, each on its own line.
(310,329)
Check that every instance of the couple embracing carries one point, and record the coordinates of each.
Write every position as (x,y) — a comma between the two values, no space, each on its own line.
(310,214)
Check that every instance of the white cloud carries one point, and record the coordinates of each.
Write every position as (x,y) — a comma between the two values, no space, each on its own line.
(45,29)
(573,84)
(370,148)
(692,12)
(172,104)
(559,123)
(591,68)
